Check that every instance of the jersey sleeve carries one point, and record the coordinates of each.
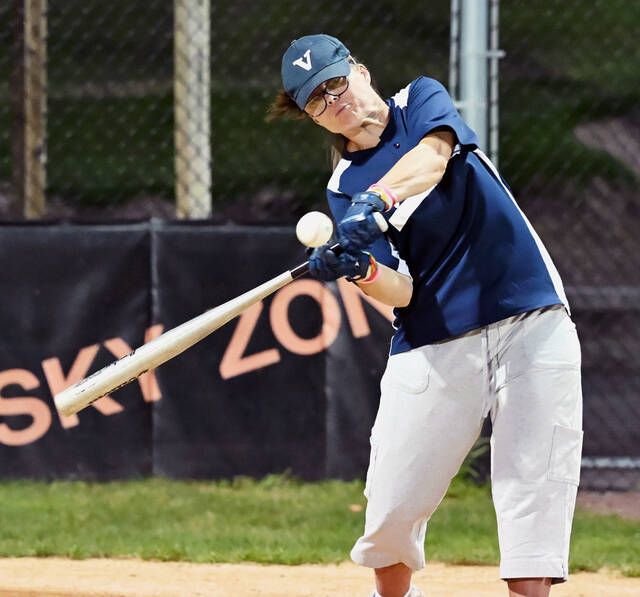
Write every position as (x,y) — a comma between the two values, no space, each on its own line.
(381,249)
(430,107)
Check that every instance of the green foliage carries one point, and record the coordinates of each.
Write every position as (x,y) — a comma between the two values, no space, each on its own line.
(566,63)
(97,154)
(278,519)
(471,469)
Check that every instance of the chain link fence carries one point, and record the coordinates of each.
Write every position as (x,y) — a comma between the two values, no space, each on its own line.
(110,111)
(569,141)
(5,111)
(569,146)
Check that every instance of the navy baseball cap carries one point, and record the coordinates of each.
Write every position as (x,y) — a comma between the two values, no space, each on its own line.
(312,60)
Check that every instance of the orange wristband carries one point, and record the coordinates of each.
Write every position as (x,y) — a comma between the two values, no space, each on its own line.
(372,273)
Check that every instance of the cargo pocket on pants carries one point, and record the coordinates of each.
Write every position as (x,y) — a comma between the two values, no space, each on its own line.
(565,459)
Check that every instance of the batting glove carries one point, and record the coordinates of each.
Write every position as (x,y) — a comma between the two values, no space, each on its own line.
(363,223)
(325,265)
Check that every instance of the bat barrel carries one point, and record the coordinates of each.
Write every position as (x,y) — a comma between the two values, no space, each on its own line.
(161,349)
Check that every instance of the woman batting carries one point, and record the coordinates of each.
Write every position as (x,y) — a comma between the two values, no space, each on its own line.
(482,325)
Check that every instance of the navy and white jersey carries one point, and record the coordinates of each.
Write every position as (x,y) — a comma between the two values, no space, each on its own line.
(473,255)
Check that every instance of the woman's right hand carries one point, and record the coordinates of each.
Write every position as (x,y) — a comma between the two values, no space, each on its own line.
(326,265)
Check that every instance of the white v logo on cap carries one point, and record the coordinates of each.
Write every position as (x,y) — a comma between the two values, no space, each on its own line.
(304,61)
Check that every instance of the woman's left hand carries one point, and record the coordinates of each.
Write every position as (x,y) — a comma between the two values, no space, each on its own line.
(360,226)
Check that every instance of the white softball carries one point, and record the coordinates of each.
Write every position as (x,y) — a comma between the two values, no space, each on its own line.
(314,229)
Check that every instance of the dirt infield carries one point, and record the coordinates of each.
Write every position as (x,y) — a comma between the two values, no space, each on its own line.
(53,577)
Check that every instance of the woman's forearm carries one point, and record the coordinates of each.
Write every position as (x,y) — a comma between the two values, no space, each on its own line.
(420,168)
(390,287)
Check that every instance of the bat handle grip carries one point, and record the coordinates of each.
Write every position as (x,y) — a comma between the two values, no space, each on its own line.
(303,268)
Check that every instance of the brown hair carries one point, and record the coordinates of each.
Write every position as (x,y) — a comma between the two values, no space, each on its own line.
(284,106)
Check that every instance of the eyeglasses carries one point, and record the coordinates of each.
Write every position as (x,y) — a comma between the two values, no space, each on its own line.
(317,104)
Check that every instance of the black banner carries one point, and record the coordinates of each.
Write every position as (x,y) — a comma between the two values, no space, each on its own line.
(73,299)
(254,397)
(292,384)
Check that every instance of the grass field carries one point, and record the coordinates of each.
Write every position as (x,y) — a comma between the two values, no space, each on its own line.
(274,520)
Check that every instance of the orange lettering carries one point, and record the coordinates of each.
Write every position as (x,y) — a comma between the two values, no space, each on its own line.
(148,383)
(25,405)
(352,298)
(233,362)
(58,382)
(280,317)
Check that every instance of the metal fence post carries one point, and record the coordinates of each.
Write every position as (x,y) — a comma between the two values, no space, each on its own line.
(494,54)
(473,67)
(192,108)
(30,104)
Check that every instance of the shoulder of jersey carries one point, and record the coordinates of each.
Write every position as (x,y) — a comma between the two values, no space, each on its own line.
(401,98)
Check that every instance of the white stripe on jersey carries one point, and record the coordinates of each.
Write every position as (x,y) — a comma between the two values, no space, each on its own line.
(403,268)
(410,204)
(401,99)
(551,268)
(407,207)
(334,181)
